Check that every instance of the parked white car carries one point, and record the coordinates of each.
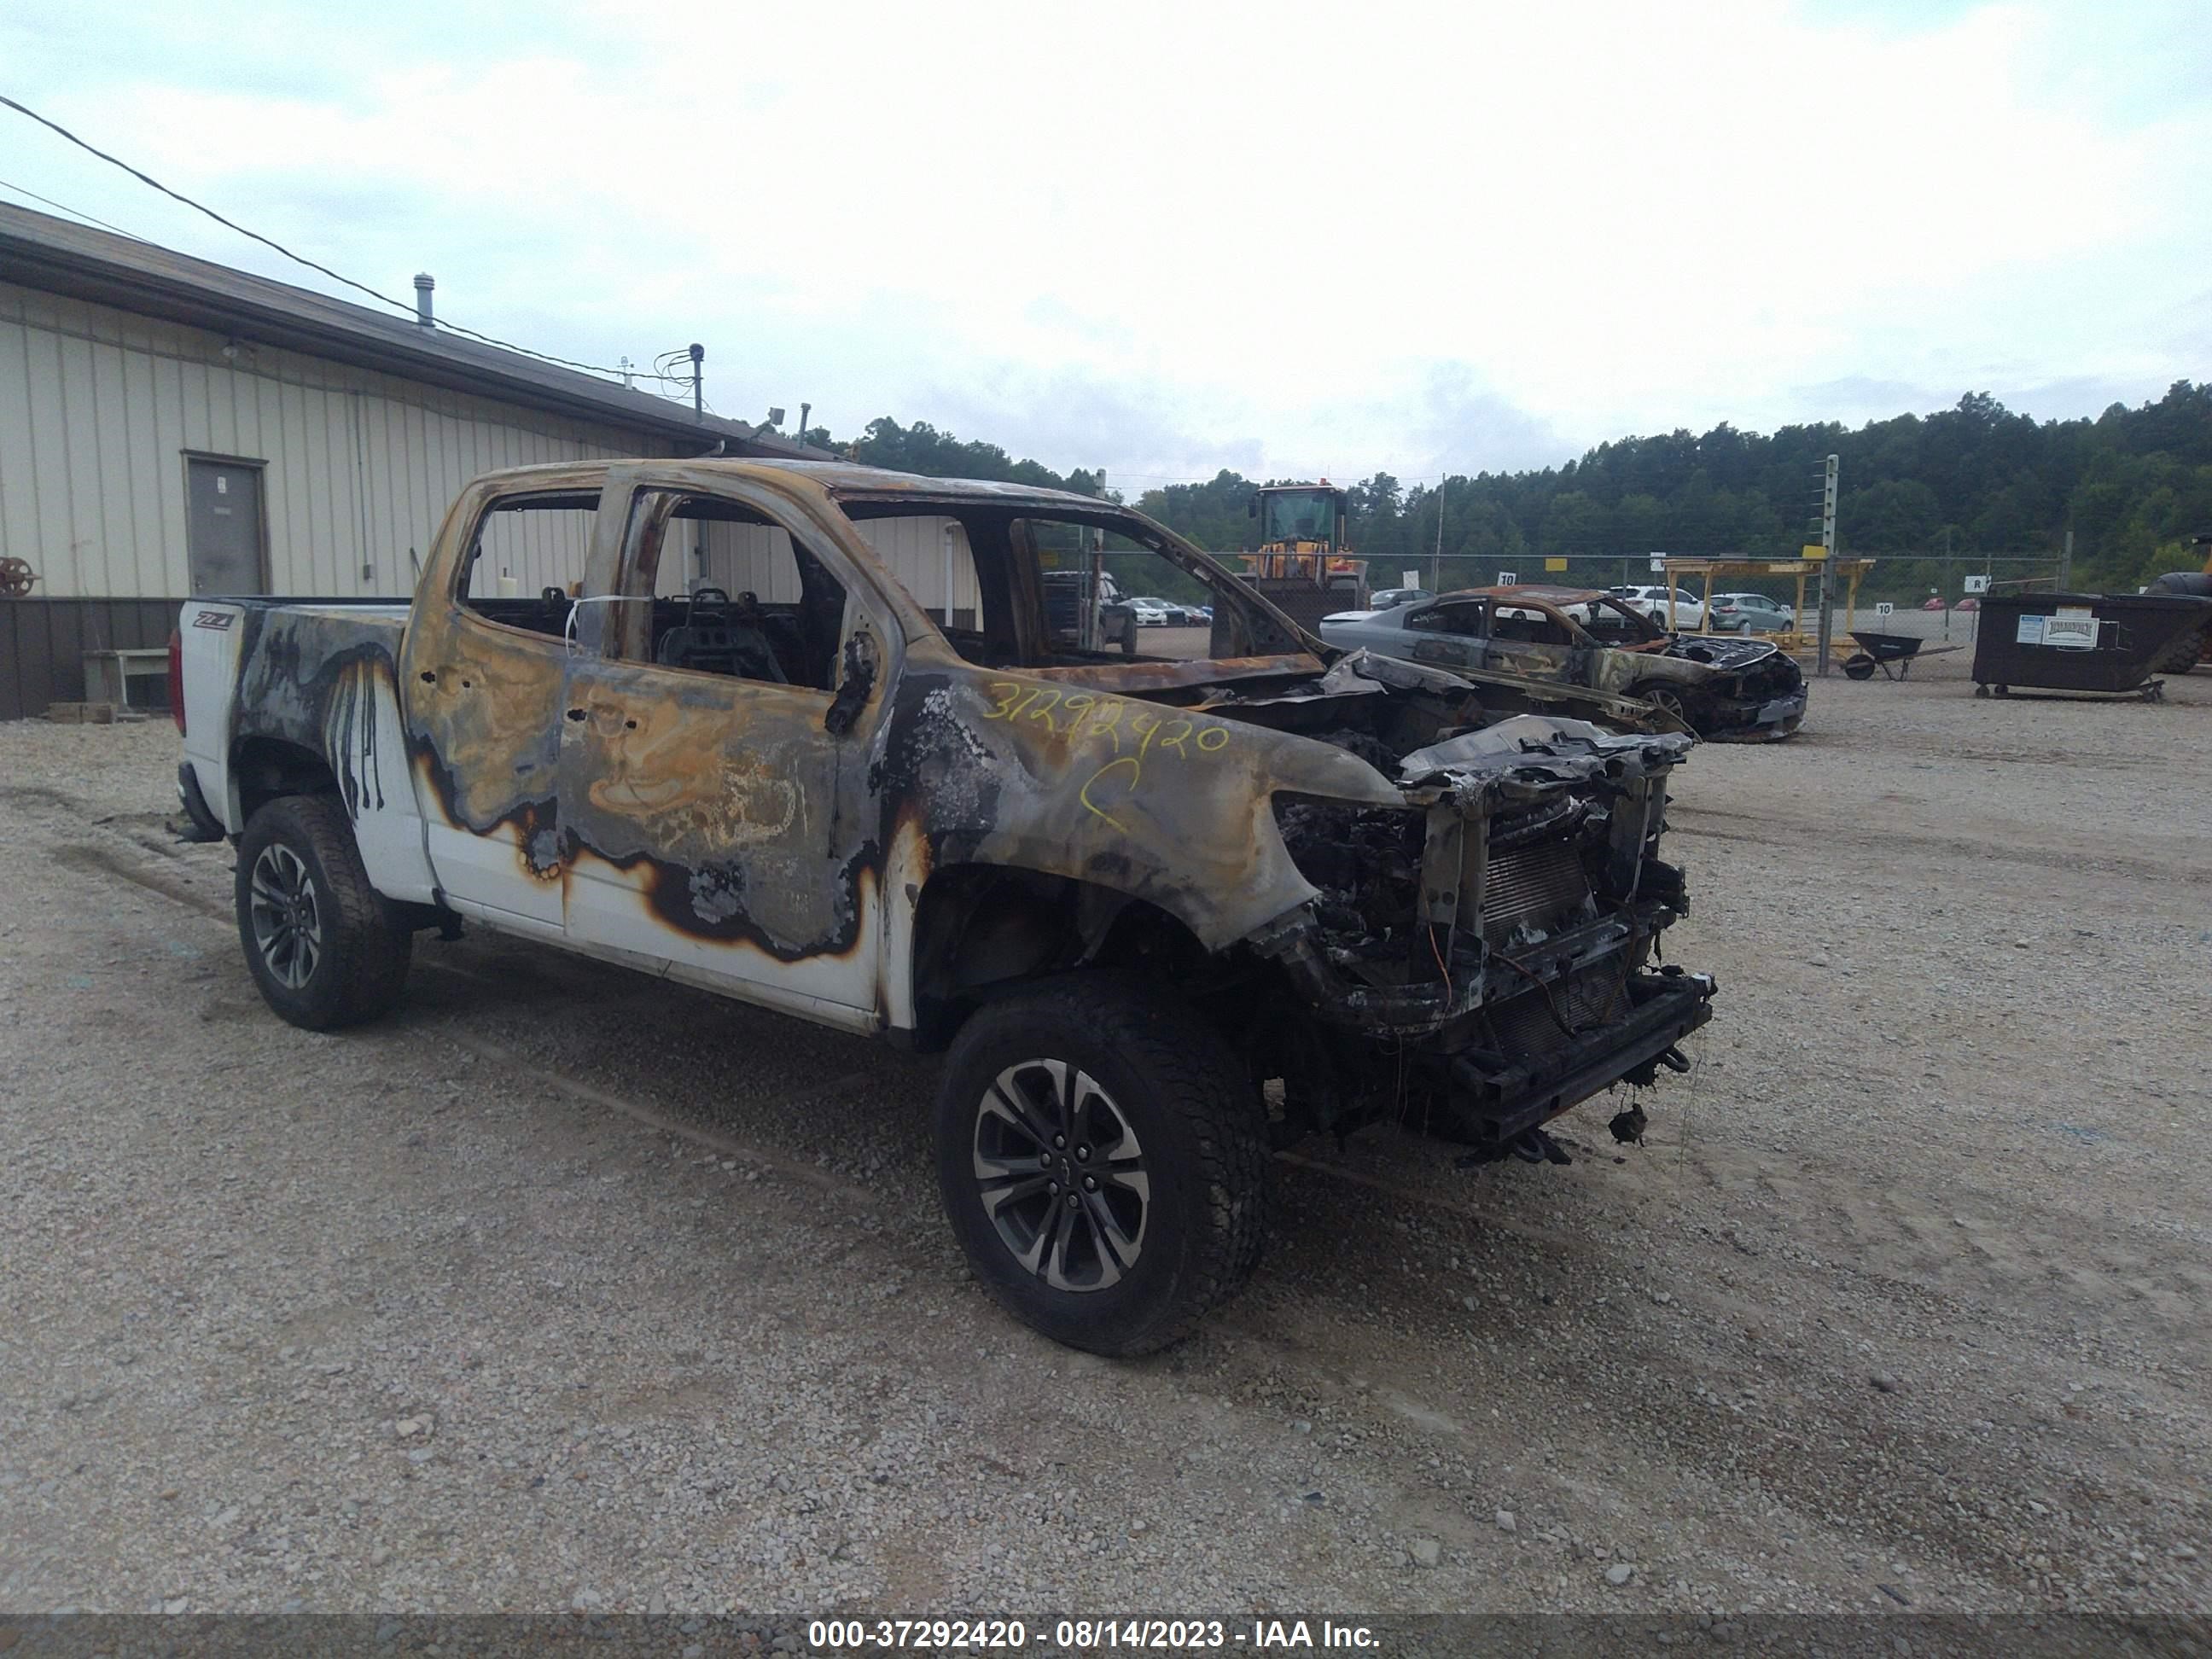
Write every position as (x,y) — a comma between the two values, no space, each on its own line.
(1151,613)
(1689,611)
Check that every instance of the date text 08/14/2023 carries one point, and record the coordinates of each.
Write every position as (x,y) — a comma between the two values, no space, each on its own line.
(1090,1635)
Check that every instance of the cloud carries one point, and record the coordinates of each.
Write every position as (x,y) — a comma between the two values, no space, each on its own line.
(1504,232)
(1853,399)
(1078,419)
(1467,425)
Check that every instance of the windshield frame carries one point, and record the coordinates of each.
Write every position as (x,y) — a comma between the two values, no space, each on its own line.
(1651,630)
(1274,634)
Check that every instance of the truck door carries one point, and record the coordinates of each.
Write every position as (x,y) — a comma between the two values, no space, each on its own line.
(714,759)
(485,670)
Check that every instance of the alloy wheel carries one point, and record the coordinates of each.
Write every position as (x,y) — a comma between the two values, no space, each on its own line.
(1061,1175)
(288,921)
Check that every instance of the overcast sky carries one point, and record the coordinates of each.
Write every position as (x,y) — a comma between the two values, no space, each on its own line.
(1164,240)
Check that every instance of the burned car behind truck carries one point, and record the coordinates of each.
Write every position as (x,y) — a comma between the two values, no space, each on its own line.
(1160,916)
(1740,689)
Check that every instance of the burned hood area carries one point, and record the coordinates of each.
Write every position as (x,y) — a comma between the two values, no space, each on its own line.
(1740,690)
(1481,948)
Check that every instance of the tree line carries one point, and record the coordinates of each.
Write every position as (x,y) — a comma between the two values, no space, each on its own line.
(1932,497)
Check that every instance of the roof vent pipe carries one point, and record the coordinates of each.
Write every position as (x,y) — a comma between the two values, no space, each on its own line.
(423,283)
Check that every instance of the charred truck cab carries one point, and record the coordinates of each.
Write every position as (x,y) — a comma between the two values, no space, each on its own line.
(1161,915)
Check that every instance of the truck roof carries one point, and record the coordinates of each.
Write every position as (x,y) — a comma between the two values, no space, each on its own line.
(846,479)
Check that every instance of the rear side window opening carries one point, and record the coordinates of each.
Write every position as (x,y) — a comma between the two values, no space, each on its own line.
(525,564)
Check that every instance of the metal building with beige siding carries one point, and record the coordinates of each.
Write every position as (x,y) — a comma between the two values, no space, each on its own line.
(169,426)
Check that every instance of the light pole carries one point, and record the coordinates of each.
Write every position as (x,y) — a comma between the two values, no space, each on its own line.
(1828,559)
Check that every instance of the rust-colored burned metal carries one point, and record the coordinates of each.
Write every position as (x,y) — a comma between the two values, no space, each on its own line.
(1400,890)
(797,825)
(1136,677)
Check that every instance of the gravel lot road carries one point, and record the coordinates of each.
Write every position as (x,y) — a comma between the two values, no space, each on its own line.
(565,1288)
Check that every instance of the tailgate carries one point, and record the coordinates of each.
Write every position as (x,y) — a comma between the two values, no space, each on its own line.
(210,633)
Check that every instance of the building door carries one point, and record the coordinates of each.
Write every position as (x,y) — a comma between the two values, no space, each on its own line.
(222,526)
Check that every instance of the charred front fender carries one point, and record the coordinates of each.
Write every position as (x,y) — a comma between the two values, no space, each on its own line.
(1171,805)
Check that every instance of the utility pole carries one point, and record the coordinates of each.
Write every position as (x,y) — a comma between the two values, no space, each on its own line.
(2066,566)
(1436,561)
(699,414)
(1946,581)
(1828,559)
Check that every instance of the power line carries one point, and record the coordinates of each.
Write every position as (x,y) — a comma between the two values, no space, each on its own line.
(296,259)
(74,213)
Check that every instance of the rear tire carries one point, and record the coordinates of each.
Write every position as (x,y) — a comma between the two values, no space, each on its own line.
(1103,1159)
(326,949)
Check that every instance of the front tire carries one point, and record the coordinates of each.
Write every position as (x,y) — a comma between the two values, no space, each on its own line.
(1669,701)
(325,947)
(1103,1159)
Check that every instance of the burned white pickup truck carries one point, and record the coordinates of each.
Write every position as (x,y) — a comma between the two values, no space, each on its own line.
(1161,914)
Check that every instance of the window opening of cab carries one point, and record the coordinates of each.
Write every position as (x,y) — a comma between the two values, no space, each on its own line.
(1529,625)
(1462,617)
(525,560)
(758,604)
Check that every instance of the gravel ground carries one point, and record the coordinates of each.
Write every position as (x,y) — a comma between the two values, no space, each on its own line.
(567,1289)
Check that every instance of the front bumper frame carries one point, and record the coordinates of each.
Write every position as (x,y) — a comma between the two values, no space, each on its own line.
(1504,1101)
(1773,719)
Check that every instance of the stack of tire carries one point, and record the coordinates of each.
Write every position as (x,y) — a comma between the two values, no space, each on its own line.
(2195,646)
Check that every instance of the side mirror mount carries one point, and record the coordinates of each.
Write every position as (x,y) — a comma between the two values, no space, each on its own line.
(859,680)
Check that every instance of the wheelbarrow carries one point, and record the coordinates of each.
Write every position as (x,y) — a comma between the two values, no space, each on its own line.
(1886,651)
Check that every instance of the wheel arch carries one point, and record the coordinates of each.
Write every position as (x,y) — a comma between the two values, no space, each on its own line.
(263,767)
(980,930)
(1686,698)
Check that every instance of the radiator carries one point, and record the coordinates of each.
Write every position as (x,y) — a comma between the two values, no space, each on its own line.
(1540,887)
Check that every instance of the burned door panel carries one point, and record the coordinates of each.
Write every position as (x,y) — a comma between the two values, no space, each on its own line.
(485,674)
(483,711)
(712,782)
(706,827)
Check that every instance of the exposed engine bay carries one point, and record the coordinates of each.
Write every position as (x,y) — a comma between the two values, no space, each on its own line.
(1485,956)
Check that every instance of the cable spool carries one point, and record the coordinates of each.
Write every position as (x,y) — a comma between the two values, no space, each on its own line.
(16,578)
